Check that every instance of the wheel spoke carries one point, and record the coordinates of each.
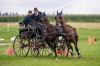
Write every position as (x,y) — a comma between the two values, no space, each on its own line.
(20,53)
(20,46)
(24,50)
(16,47)
(18,50)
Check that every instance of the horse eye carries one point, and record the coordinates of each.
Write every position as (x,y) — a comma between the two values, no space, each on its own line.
(55,18)
(45,20)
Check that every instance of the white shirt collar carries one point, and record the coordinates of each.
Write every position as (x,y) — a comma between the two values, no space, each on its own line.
(36,14)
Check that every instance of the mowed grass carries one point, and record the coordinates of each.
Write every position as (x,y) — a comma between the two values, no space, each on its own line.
(90,57)
(90,53)
(7,34)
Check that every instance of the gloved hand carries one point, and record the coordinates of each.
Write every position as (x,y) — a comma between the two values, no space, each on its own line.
(21,23)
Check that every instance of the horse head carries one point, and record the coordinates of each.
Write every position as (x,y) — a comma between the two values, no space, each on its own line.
(59,18)
(44,19)
(43,15)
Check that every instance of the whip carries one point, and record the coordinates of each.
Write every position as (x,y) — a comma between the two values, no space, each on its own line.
(60,9)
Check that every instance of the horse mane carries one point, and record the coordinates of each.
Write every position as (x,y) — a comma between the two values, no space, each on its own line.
(49,27)
(47,21)
(66,26)
(63,20)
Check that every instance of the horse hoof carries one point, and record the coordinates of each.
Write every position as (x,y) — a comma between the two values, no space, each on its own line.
(56,58)
(74,55)
(67,55)
(50,54)
(80,57)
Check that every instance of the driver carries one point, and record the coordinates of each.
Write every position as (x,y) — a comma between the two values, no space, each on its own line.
(36,17)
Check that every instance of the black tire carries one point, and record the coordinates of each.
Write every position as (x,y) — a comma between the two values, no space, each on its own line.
(21,45)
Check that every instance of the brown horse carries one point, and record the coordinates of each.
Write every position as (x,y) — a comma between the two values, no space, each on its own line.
(50,34)
(70,34)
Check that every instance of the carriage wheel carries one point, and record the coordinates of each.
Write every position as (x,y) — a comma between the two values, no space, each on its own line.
(64,50)
(34,47)
(43,49)
(21,46)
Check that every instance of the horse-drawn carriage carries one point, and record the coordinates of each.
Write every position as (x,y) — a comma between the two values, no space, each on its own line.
(27,41)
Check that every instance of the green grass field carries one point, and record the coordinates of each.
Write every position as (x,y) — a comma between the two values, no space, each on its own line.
(90,53)
(4,33)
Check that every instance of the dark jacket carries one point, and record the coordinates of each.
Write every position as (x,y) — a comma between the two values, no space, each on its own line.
(36,17)
(27,20)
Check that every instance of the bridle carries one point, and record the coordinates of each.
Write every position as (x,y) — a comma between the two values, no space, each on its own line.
(58,21)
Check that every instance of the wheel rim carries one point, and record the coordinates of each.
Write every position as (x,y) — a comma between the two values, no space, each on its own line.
(21,46)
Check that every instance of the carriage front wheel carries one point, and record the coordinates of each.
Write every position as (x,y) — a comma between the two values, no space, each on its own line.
(21,45)
(34,47)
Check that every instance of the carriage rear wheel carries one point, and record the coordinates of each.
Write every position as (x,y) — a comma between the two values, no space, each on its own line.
(21,45)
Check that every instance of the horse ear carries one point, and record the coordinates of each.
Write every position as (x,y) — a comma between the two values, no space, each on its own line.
(57,12)
(44,13)
(61,11)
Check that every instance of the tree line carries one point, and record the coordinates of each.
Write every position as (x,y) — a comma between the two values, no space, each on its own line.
(78,17)
(8,14)
(68,18)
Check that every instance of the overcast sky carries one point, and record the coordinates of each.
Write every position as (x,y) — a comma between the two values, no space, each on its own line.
(73,6)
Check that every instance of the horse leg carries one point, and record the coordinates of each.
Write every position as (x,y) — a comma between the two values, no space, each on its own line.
(49,44)
(71,51)
(55,44)
(67,43)
(53,47)
(76,48)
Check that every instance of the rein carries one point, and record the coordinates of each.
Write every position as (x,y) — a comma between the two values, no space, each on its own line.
(70,33)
